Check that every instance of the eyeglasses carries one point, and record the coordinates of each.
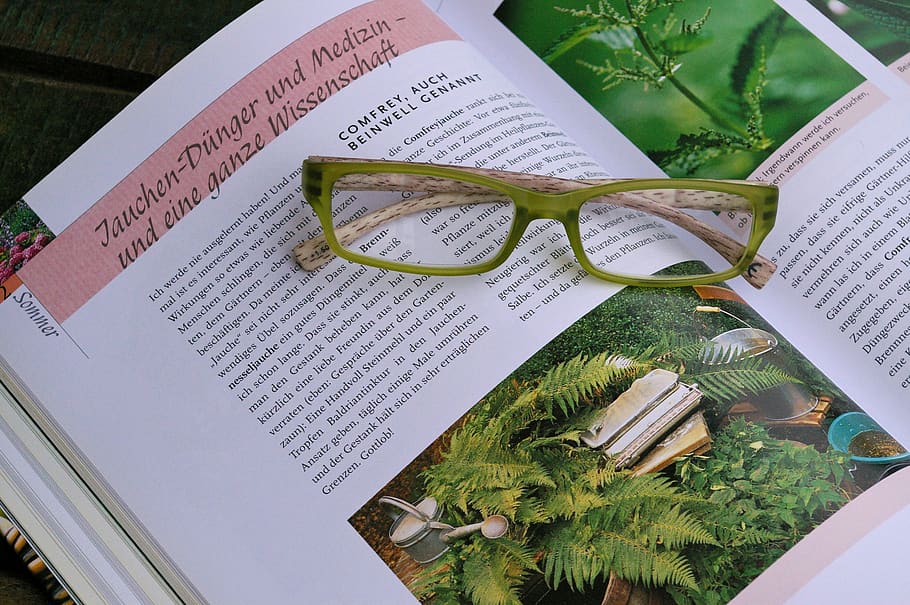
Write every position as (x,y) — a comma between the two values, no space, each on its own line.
(445,220)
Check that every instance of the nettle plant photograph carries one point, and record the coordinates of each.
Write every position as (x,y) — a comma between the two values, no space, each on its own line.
(666,448)
(880,26)
(705,88)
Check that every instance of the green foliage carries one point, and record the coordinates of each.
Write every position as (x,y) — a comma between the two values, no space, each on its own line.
(636,323)
(493,574)
(892,15)
(748,72)
(736,378)
(488,573)
(570,383)
(519,455)
(581,554)
(693,150)
(625,324)
(614,37)
(764,494)
(20,218)
(652,61)
(882,28)
(573,517)
(656,42)
(689,38)
(22,236)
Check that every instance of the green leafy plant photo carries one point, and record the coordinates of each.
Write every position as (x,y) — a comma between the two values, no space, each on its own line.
(763,495)
(574,517)
(704,88)
(880,26)
(695,532)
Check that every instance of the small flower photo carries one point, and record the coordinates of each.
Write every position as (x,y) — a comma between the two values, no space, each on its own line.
(22,236)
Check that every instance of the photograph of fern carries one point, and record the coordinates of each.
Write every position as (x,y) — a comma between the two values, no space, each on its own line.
(721,464)
(880,26)
(704,88)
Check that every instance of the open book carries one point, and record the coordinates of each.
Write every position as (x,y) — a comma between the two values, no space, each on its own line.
(188,416)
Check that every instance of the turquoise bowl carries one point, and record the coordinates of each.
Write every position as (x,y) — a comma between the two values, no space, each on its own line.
(847,426)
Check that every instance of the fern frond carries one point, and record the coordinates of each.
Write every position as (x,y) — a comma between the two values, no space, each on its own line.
(531,511)
(580,557)
(727,383)
(492,578)
(572,437)
(676,528)
(723,354)
(521,555)
(503,501)
(665,568)
(568,465)
(572,502)
(634,502)
(689,350)
(569,383)
(600,477)
(477,469)
(624,487)
(439,581)
(570,556)
(497,472)
(563,385)
(743,535)
(487,585)
(514,417)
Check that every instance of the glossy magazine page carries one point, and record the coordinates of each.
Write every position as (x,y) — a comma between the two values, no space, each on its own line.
(438,437)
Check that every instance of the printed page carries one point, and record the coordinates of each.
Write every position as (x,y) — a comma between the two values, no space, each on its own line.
(82,547)
(205,385)
(211,388)
(834,122)
(818,111)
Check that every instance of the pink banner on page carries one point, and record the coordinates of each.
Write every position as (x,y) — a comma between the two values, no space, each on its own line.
(192,165)
(817,135)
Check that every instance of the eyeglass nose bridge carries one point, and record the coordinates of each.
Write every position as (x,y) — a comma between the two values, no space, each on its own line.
(561,207)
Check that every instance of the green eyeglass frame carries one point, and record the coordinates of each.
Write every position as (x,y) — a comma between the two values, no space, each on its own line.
(535,197)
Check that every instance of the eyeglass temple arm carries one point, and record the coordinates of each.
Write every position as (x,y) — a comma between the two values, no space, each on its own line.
(408,181)
(756,274)
(314,253)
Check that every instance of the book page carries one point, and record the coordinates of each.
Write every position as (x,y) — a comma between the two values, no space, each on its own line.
(833,138)
(199,380)
(859,112)
(64,526)
(208,388)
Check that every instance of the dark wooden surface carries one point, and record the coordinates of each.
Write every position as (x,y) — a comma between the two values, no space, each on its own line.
(66,68)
